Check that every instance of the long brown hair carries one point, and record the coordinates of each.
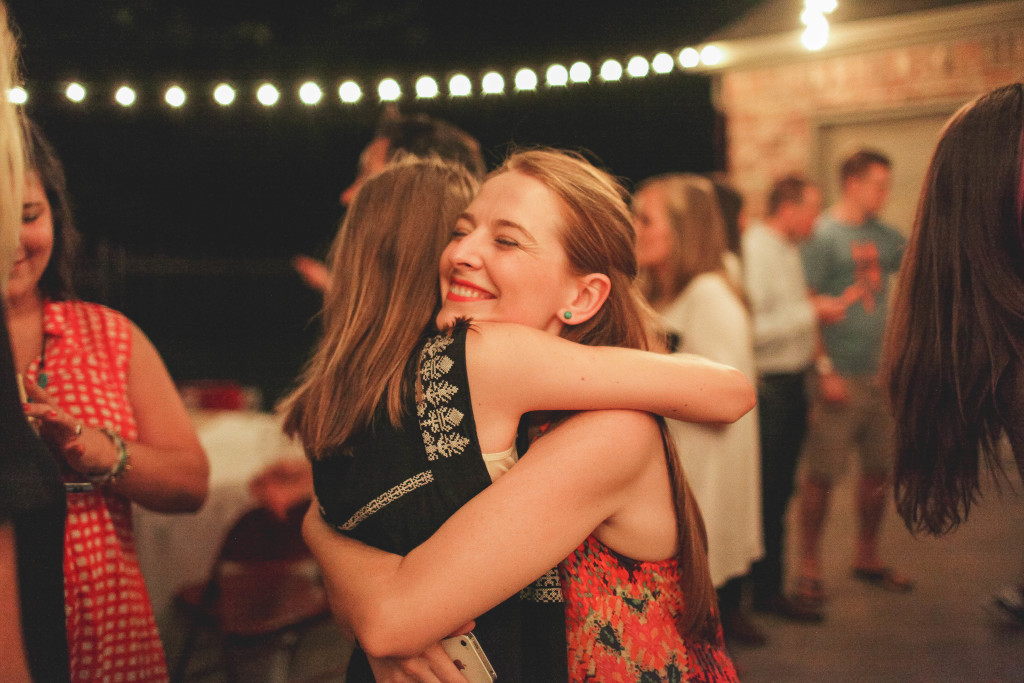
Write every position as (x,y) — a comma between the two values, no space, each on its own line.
(383,294)
(56,282)
(598,237)
(699,241)
(954,348)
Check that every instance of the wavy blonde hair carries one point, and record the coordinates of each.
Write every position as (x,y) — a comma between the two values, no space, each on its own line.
(698,232)
(12,157)
(384,292)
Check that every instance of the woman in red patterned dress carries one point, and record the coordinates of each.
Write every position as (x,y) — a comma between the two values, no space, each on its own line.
(548,242)
(109,411)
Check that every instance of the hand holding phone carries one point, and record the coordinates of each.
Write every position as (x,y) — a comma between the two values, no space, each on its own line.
(469,658)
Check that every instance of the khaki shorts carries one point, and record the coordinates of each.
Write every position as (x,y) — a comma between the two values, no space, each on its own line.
(863,426)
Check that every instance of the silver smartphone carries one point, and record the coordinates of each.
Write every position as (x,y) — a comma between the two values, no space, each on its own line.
(469,658)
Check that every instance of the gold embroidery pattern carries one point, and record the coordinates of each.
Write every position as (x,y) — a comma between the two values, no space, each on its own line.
(546,589)
(439,420)
(389,496)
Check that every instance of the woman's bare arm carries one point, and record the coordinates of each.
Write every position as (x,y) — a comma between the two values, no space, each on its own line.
(539,371)
(170,470)
(575,477)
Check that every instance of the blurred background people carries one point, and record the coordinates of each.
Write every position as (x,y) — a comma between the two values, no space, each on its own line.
(112,417)
(954,352)
(33,644)
(681,250)
(730,201)
(416,134)
(850,258)
(785,341)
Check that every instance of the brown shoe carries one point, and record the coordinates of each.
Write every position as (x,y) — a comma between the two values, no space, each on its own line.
(741,630)
(789,608)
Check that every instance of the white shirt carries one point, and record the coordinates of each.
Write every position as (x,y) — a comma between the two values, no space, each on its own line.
(783,316)
(722,462)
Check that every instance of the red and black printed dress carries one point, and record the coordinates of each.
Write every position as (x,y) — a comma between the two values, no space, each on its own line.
(112,635)
(621,622)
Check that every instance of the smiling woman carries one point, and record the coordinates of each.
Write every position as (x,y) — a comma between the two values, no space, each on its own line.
(495,269)
(108,410)
(547,235)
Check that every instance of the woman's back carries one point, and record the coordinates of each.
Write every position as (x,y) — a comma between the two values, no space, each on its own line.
(624,621)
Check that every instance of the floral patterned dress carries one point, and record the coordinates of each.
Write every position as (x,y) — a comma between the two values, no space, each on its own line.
(112,635)
(622,622)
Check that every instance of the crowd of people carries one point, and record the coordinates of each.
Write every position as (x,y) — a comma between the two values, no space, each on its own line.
(547,417)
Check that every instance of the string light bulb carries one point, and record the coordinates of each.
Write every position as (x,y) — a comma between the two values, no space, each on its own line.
(662,63)
(556,75)
(426,88)
(267,95)
(611,70)
(460,86)
(492,83)
(388,90)
(310,93)
(125,96)
(223,94)
(75,92)
(349,92)
(526,79)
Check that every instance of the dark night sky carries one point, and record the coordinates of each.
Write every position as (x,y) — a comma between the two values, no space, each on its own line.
(202,207)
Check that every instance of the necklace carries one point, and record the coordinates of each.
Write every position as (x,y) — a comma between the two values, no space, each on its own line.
(42,377)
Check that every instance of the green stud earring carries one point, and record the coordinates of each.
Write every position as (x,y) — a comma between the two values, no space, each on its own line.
(567,315)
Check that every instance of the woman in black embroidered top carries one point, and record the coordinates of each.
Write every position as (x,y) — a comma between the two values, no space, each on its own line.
(513,369)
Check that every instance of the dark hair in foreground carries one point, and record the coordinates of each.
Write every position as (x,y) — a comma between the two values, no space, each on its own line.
(954,349)
(56,281)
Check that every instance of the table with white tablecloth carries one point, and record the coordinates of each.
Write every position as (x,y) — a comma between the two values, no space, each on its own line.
(179,549)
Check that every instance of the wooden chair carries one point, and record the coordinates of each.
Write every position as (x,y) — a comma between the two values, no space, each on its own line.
(264,591)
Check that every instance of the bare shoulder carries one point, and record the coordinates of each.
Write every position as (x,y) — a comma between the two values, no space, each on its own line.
(506,342)
(618,431)
(504,333)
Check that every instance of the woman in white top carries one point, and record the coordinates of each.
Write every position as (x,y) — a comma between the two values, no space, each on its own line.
(681,245)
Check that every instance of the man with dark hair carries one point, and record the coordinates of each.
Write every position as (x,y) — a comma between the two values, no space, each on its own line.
(849,260)
(416,134)
(785,338)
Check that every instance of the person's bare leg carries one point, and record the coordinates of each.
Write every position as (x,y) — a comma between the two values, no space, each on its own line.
(871,499)
(813,505)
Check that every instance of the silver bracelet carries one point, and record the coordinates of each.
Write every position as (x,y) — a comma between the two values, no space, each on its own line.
(121,466)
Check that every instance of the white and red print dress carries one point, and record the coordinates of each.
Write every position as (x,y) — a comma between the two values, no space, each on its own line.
(112,635)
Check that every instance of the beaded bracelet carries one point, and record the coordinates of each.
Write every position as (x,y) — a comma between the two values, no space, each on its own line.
(121,466)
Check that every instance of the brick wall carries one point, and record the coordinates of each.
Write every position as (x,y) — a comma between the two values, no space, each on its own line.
(772,112)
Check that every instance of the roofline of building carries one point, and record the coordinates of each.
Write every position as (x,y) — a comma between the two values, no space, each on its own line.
(959,21)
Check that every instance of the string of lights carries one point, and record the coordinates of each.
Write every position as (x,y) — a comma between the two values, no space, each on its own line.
(459,85)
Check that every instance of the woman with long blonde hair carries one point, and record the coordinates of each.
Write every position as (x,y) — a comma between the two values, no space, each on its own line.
(32,637)
(682,252)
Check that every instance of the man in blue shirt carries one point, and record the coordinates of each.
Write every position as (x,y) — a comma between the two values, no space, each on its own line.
(848,261)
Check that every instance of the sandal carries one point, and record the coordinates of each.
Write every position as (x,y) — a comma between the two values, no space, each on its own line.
(809,592)
(885,578)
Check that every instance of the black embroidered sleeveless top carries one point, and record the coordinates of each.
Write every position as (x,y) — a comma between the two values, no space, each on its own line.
(392,488)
